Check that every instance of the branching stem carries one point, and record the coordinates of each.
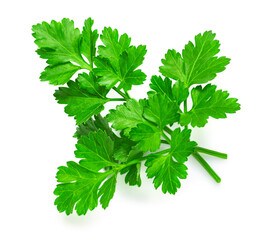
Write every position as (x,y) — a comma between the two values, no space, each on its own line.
(120,93)
(166,137)
(185,110)
(206,166)
(211,152)
(117,99)
(168,130)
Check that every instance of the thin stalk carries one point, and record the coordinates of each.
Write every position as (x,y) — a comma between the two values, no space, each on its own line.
(166,137)
(164,141)
(126,93)
(206,166)
(120,93)
(83,64)
(116,99)
(168,130)
(185,110)
(138,160)
(211,152)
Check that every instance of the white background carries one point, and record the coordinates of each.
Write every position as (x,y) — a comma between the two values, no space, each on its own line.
(36,134)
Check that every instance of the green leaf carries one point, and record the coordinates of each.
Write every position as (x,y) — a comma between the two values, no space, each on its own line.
(78,188)
(101,123)
(126,116)
(208,102)
(166,172)
(201,65)
(118,61)
(59,42)
(89,39)
(148,137)
(107,190)
(89,83)
(80,103)
(93,125)
(131,59)
(161,111)
(133,177)
(96,151)
(133,171)
(176,93)
(173,66)
(179,92)
(108,76)
(85,128)
(181,146)
(113,46)
(59,74)
(123,146)
(164,169)
(162,86)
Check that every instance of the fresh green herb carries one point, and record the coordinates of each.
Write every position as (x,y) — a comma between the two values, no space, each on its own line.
(142,125)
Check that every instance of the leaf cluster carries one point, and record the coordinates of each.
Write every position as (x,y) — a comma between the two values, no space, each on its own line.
(138,128)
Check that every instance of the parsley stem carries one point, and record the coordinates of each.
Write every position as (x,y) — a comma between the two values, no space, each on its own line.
(185,110)
(168,130)
(138,160)
(206,166)
(84,65)
(127,94)
(164,141)
(120,93)
(211,152)
(117,99)
(166,137)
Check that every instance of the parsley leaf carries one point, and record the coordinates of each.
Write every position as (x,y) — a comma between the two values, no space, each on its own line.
(166,172)
(80,103)
(175,93)
(59,74)
(133,171)
(164,169)
(93,125)
(89,39)
(161,111)
(79,189)
(198,63)
(89,83)
(117,61)
(126,116)
(173,66)
(208,102)
(131,59)
(181,146)
(147,136)
(113,47)
(96,151)
(59,42)
(107,190)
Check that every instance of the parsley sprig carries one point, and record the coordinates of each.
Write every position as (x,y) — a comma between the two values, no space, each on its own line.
(138,128)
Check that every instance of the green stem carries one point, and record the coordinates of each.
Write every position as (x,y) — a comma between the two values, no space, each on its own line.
(166,137)
(126,93)
(138,160)
(185,110)
(84,65)
(206,166)
(211,152)
(116,99)
(164,141)
(120,93)
(168,130)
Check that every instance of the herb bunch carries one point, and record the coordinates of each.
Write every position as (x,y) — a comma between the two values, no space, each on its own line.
(142,126)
